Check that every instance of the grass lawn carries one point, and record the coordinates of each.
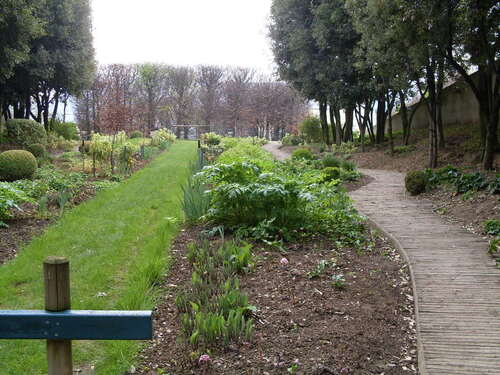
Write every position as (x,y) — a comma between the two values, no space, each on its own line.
(117,245)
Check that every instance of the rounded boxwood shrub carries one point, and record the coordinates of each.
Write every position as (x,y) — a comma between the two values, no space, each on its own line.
(25,132)
(331,161)
(415,182)
(37,149)
(136,134)
(331,173)
(302,153)
(17,165)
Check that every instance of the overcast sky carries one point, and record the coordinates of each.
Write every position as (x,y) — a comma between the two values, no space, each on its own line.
(183,32)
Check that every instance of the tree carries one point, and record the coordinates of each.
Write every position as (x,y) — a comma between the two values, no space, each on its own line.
(210,82)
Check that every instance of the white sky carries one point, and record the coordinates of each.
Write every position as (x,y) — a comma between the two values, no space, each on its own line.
(183,32)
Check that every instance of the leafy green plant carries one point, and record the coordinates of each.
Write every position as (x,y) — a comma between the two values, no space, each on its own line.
(399,150)
(330,160)
(338,281)
(348,165)
(470,182)
(319,269)
(494,185)
(346,148)
(494,246)
(302,153)
(161,136)
(492,227)
(67,130)
(332,173)
(10,199)
(211,139)
(25,132)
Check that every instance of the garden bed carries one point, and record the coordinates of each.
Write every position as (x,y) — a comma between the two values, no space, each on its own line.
(302,325)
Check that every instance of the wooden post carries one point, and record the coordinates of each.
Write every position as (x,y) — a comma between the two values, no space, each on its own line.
(57,298)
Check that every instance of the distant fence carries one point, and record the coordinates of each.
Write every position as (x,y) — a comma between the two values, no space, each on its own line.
(459,106)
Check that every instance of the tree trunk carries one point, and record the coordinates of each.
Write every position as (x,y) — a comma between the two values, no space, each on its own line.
(338,126)
(349,121)
(56,106)
(390,102)
(324,122)
(439,99)
(332,123)
(381,117)
(404,119)
(432,112)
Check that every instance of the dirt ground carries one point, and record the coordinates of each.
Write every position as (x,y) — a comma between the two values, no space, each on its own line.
(366,328)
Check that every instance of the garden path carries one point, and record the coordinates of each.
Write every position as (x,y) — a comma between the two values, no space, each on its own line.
(274,148)
(456,283)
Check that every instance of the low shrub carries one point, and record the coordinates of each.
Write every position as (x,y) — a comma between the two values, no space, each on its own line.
(136,134)
(10,199)
(345,148)
(492,227)
(66,130)
(348,165)
(332,173)
(25,132)
(162,135)
(17,165)
(291,140)
(211,139)
(246,151)
(494,247)
(37,149)
(330,160)
(415,182)
(302,153)
(310,129)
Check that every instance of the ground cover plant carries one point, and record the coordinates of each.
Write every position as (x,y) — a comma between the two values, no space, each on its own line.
(117,245)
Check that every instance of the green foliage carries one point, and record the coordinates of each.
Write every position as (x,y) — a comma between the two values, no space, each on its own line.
(494,247)
(492,227)
(214,309)
(332,173)
(25,132)
(136,134)
(67,130)
(416,182)
(161,136)
(244,151)
(345,148)
(17,165)
(338,281)
(348,165)
(58,181)
(302,153)
(10,199)
(126,154)
(330,160)
(310,130)
(494,185)
(211,139)
(291,140)
(37,149)
(470,182)
(319,269)
(196,203)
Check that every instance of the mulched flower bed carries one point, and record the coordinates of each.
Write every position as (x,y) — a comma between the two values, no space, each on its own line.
(303,325)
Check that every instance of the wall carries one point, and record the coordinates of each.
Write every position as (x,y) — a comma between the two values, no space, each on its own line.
(459,106)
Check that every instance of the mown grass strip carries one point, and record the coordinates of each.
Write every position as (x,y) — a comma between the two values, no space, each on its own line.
(117,245)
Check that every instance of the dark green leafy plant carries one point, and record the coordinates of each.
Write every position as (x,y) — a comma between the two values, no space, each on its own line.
(25,132)
(331,160)
(470,182)
(492,227)
(10,199)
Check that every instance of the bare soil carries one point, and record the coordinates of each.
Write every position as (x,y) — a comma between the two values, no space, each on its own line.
(367,327)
